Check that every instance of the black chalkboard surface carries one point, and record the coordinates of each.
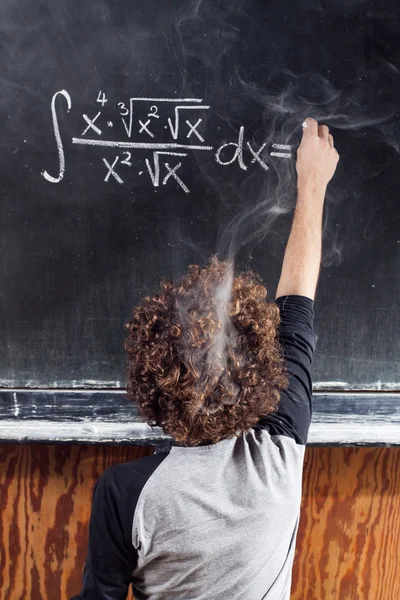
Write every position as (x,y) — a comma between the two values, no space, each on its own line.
(139,137)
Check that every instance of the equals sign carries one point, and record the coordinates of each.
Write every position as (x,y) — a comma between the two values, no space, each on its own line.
(281,154)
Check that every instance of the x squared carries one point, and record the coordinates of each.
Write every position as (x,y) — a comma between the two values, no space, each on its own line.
(144,127)
(111,170)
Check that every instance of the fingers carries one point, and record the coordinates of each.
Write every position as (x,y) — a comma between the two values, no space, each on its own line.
(332,144)
(312,127)
(323,132)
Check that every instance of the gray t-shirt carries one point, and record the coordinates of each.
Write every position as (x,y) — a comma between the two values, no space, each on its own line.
(216,522)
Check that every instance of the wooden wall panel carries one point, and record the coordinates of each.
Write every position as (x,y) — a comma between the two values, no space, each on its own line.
(45,501)
(347,547)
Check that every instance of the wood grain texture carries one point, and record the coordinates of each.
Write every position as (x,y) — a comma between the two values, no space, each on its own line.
(347,546)
(45,502)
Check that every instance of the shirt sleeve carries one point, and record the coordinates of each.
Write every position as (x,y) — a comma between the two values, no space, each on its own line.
(298,340)
(111,556)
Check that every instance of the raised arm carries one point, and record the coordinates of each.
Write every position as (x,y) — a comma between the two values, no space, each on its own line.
(316,163)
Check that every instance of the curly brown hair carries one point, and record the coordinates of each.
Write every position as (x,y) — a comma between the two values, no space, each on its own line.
(205,362)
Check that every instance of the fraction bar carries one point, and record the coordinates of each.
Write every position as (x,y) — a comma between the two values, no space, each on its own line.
(143,145)
(169,99)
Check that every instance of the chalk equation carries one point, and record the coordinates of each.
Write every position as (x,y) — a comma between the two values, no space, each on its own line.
(145,121)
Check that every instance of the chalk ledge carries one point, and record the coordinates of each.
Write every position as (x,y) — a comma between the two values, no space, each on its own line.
(107,417)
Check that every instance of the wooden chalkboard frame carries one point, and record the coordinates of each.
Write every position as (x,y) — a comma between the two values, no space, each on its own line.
(106,416)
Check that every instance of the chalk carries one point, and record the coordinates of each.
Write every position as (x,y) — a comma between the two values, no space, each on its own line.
(57,135)
(304,124)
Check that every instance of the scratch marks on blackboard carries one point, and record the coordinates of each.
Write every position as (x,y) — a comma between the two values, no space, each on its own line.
(90,383)
(111,386)
(16,407)
(357,387)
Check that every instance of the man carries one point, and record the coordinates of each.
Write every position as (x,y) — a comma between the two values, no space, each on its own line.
(214,514)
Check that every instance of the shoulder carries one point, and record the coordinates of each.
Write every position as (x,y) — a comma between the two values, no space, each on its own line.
(130,477)
(118,489)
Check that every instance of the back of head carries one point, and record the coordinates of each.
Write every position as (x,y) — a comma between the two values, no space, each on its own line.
(205,361)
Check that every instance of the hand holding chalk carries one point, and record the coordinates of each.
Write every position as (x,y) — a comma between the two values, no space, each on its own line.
(317,157)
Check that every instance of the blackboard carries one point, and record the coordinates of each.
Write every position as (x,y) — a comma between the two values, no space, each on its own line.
(139,137)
